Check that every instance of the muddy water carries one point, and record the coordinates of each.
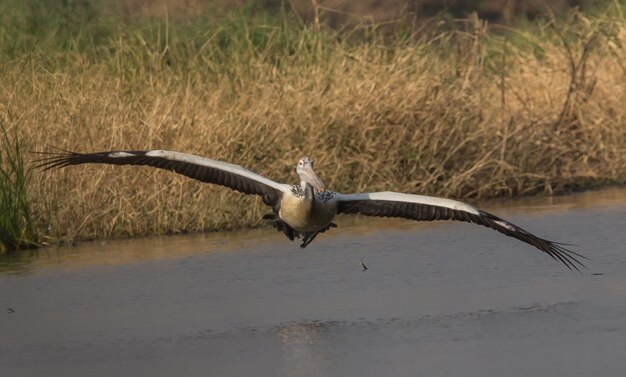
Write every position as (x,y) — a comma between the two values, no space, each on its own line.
(438,299)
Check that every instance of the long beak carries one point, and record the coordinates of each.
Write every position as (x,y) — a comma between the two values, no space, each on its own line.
(309,176)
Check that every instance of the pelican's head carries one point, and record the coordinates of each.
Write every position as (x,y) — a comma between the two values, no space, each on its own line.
(307,174)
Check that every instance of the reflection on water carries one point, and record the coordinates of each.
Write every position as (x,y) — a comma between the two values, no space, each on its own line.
(602,198)
(17,262)
(110,252)
(303,351)
(438,299)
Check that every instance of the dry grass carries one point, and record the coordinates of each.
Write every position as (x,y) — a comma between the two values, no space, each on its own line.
(463,114)
(16,227)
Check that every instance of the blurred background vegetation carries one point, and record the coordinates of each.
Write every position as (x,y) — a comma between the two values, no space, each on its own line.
(86,24)
(466,99)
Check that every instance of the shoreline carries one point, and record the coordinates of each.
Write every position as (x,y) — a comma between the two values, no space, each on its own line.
(459,111)
(523,204)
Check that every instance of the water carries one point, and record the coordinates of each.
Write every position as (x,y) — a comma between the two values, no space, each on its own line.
(438,299)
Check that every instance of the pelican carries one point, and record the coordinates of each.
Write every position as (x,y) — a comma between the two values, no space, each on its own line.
(304,210)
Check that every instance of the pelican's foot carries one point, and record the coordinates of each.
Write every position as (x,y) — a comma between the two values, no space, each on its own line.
(308,238)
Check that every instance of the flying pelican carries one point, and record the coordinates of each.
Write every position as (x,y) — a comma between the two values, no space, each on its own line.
(305,210)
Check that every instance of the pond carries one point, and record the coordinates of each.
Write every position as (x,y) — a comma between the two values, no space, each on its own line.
(437,299)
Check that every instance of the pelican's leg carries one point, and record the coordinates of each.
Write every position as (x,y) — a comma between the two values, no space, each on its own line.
(331,225)
(280,226)
(308,238)
(287,231)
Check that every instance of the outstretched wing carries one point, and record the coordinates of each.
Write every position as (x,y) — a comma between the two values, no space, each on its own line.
(200,168)
(428,208)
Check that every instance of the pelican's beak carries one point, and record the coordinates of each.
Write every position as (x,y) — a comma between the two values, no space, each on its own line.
(309,176)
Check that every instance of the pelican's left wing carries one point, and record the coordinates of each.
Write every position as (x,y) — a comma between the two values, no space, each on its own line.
(428,208)
(196,167)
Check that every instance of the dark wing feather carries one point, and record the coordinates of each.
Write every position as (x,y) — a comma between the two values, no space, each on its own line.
(192,166)
(424,208)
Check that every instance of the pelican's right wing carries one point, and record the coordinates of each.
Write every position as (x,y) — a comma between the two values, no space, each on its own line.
(200,168)
(428,208)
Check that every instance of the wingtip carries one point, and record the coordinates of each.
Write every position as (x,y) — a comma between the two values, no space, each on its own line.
(568,257)
(52,160)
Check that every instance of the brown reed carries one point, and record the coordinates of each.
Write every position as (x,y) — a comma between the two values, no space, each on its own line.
(460,112)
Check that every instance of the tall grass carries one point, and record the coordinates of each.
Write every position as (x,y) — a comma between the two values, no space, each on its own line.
(454,110)
(16,226)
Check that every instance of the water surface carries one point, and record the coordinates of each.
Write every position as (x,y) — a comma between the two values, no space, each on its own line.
(438,299)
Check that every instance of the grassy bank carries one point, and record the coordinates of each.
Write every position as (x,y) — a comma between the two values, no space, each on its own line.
(453,109)
(16,227)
